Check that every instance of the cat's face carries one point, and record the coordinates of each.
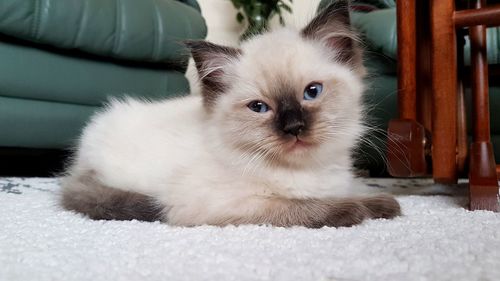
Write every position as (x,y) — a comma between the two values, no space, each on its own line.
(286,97)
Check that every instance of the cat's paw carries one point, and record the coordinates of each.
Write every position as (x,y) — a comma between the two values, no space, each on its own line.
(353,211)
(346,213)
(382,206)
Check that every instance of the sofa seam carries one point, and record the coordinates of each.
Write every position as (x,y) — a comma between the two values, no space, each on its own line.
(49,101)
(80,24)
(118,24)
(36,17)
(156,32)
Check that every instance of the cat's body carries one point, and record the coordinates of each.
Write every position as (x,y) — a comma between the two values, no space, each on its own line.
(251,149)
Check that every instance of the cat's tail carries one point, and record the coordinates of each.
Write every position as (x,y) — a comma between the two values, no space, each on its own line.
(86,195)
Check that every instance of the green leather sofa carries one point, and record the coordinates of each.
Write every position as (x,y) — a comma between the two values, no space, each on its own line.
(376,20)
(61,59)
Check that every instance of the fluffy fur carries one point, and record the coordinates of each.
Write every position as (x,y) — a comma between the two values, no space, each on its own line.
(211,160)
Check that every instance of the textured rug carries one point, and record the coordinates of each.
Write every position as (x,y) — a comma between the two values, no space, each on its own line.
(435,239)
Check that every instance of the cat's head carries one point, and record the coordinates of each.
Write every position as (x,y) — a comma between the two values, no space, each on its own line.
(286,97)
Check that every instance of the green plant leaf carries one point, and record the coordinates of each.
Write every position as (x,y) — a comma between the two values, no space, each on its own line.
(285,7)
(240,17)
(258,13)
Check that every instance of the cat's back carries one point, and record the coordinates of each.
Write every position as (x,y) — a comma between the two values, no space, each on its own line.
(131,121)
(134,141)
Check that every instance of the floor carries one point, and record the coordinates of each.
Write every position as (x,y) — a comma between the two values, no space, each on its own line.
(435,239)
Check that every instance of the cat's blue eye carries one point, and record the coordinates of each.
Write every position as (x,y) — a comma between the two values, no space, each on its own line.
(312,91)
(258,106)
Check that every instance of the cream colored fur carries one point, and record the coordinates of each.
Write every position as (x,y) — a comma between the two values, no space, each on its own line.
(194,161)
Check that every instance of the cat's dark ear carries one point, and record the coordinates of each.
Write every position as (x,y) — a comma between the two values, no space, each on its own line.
(212,63)
(332,26)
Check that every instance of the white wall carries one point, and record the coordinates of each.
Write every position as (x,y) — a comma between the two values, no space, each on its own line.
(223,28)
(220,16)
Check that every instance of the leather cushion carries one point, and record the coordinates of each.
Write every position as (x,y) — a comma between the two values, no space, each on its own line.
(31,73)
(48,124)
(144,30)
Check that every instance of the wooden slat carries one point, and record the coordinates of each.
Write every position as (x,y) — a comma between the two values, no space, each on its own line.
(489,16)
(462,141)
(424,66)
(483,181)
(479,86)
(407,59)
(444,88)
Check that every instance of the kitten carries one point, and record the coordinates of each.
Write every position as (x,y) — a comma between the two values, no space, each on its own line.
(267,142)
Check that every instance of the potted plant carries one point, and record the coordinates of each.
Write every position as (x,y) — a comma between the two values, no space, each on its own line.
(258,13)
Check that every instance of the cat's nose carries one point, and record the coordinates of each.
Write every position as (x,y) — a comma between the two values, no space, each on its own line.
(294,128)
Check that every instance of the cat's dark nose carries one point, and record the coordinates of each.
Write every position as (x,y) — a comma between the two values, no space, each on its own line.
(291,117)
(294,127)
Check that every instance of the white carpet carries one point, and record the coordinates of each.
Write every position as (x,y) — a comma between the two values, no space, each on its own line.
(436,239)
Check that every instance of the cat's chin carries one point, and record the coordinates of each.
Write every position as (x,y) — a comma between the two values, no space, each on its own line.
(300,151)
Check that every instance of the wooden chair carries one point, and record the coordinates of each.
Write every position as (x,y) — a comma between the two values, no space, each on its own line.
(430,135)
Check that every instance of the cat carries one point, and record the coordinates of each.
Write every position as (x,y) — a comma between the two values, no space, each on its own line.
(268,141)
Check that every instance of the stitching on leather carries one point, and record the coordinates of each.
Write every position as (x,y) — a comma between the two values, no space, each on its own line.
(36,18)
(81,23)
(118,22)
(157,27)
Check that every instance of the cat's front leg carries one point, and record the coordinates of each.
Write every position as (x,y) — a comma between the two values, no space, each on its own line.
(313,213)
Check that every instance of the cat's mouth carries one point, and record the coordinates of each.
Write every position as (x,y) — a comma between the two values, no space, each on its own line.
(299,144)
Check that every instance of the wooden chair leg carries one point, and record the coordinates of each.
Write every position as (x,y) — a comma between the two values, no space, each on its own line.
(444,84)
(483,181)
(407,59)
(407,147)
(424,66)
(462,138)
(406,142)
